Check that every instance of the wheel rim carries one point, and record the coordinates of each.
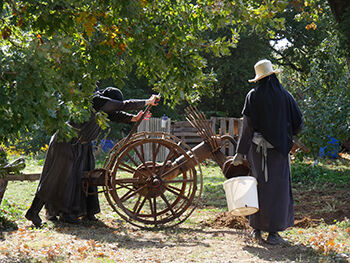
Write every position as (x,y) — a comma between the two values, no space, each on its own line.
(148,191)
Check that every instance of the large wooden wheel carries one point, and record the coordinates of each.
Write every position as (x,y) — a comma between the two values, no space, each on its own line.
(154,180)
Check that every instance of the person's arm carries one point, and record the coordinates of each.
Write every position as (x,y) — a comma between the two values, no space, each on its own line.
(296,131)
(296,115)
(121,116)
(109,105)
(244,141)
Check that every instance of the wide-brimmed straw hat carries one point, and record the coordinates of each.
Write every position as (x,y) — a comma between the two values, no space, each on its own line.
(263,68)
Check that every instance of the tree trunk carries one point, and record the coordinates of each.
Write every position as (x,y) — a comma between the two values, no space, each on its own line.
(338,8)
(3,185)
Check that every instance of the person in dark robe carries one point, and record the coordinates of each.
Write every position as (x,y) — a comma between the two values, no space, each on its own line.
(271,118)
(60,187)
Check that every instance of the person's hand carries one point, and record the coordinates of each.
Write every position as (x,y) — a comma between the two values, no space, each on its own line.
(153,100)
(138,116)
(237,159)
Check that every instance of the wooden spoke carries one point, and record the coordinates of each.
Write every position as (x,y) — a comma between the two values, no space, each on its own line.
(142,159)
(124,187)
(174,188)
(174,168)
(132,159)
(168,204)
(140,155)
(155,209)
(179,181)
(122,199)
(149,188)
(137,203)
(126,183)
(141,205)
(133,192)
(170,155)
(125,167)
(154,156)
(176,193)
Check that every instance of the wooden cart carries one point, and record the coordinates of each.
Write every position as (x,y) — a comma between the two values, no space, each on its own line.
(147,191)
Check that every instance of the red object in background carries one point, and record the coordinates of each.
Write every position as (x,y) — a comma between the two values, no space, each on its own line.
(147,116)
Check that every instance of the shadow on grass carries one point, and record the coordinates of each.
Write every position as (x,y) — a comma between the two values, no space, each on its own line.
(129,237)
(7,225)
(286,253)
(21,259)
(157,238)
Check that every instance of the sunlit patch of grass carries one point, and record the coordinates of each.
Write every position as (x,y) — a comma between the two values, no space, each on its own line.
(213,192)
(320,172)
(21,193)
(16,201)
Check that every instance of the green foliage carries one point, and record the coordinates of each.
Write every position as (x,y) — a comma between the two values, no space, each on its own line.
(52,53)
(344,28)
(29,143)
(324,96)
(232,74)
(308,174)
(341,12)
(9,213)
(301,34)
(315,71)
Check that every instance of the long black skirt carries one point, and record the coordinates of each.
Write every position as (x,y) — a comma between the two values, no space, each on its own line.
(60,184)
(276,204)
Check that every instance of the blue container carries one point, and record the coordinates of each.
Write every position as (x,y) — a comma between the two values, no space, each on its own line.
(106,145)
(331,150)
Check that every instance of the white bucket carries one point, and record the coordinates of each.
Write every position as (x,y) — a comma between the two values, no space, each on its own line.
(241,195)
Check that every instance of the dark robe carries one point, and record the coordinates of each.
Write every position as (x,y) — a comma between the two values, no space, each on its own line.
(60,182)
(276,205)
(274,113)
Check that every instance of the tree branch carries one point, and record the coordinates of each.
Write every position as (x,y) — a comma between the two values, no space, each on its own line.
(289,63)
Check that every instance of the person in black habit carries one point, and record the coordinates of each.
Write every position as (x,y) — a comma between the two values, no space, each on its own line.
(60,187)
(271,118)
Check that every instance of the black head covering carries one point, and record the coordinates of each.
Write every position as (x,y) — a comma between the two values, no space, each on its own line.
(113,93)
(89,130)
(100,97)
(274,113)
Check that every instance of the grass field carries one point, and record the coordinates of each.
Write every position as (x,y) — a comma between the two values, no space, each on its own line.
(321,233)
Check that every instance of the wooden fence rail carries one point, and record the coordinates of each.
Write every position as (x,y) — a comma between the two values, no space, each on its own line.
(227,126)
(154,125)
(184,131)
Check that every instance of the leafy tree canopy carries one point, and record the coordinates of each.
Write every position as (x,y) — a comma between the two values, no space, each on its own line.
(53,52)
